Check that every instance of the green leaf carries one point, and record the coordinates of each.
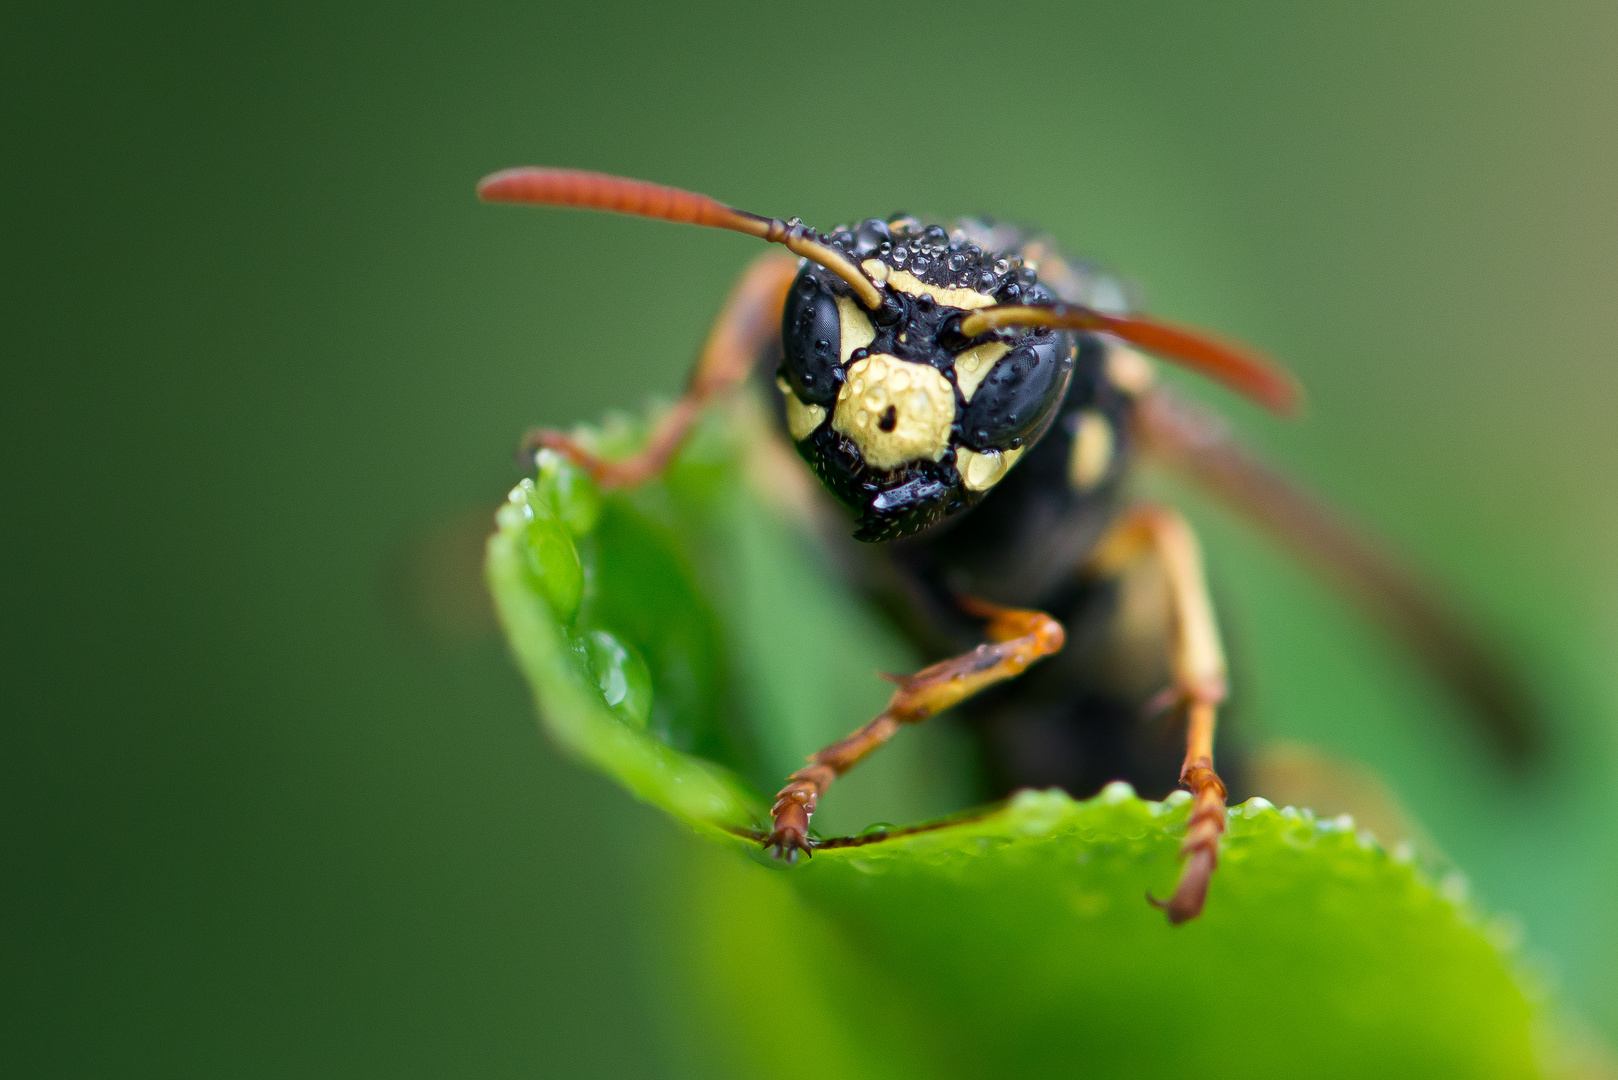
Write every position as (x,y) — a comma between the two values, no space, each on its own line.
(1010,941)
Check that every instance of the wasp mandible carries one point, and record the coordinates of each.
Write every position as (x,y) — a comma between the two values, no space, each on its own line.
(976,399)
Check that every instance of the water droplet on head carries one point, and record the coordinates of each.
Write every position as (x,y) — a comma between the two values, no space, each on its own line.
(872,235)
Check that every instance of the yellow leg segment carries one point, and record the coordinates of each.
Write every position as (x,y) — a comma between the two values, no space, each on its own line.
(1198,662)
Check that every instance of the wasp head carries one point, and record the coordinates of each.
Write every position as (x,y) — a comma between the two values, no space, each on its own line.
(903,418)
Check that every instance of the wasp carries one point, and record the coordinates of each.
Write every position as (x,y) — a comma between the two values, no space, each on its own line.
(977,401)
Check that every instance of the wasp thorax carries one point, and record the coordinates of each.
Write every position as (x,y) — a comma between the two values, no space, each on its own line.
(895,411)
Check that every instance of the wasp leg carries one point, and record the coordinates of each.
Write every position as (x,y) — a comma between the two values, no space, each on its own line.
(1017,638)
(751,315)
(1198,663)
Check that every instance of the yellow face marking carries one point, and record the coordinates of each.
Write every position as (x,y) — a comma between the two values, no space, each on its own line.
(857,331)
(906,282)
(876,270)
(981,470)
(1090,456)
(973,364)
(801,419)
(895,411)
(1129,371)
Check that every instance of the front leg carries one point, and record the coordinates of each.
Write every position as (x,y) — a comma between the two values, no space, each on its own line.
(1199,682)
(750,317)
(1017,638)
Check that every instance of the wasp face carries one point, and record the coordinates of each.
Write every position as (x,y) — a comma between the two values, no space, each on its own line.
(905,420)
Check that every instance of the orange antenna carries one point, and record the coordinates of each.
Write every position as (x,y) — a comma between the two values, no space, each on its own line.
(598,191)
(1241,369)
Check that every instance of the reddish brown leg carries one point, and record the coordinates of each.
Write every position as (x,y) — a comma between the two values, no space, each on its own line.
(1207,822)
(750,317)
(1017,637)
(1199,683)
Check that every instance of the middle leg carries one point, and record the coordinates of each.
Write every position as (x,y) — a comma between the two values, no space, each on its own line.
(1199,681)
(1017,638)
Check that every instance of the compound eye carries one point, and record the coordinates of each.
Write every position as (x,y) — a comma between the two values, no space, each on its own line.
(820,331)
(811,338)
(1020,394)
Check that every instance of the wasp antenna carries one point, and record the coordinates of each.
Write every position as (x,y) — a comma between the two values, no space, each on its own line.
(1241,369)
(620,195)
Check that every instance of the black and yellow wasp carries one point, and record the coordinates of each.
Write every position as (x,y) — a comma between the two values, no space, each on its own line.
(976,400)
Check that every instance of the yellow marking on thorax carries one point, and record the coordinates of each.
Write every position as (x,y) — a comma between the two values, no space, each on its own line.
(973,365)
(906,282)
(856,331)
(1129,371)
(922,403)
(802,419)
(1090,455)
(876,270)
(981,470)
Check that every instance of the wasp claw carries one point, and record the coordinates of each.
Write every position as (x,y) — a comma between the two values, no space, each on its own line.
(1191,892)
(786,843)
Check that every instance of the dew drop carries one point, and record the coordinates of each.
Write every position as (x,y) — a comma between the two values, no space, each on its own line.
(1119,791)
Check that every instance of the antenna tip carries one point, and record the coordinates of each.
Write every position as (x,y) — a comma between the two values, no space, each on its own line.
(507,184)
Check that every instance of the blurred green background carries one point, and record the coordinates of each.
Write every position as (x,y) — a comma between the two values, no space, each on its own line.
(275,805)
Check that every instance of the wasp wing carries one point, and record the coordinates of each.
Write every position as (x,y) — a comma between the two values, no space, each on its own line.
(1200,446)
